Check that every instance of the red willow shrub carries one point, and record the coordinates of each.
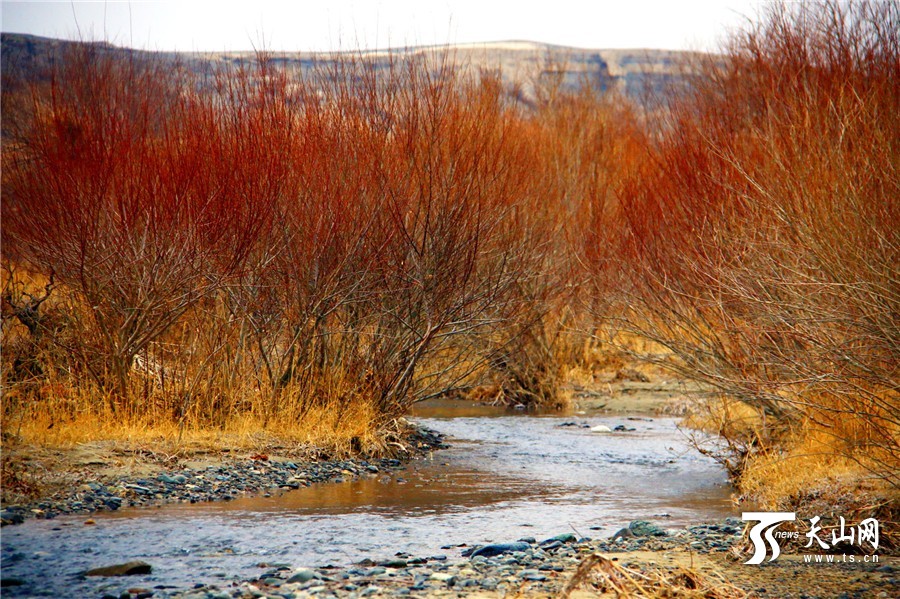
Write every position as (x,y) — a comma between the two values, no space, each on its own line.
(586,141)
(122,187)
(270,242)
(406,227)
(763,227)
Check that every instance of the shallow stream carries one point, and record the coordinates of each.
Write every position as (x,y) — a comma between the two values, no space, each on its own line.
(506,476)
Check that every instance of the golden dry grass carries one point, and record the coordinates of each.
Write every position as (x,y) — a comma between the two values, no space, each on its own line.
(794,466)
(725,416)
(61,408)
(339,430)
(608,577)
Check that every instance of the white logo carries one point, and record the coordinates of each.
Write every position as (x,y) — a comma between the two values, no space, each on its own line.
(768,522)
(866,531)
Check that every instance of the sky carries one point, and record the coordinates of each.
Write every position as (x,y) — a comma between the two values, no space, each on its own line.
(218,25)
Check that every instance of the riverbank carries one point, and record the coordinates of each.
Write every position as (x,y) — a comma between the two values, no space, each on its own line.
(103,481)
(706,561)
(402,532)
(643,558)
(83,478)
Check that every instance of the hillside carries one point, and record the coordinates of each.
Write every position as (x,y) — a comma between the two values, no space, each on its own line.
(635,72)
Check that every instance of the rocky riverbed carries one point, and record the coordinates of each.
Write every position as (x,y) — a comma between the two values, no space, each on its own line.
(223,481)
(543,568)
(534,566)
(519,506)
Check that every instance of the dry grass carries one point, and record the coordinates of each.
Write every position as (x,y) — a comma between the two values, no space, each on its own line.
(58,406)
(606,576)
(726,417)
(48,445)
(326,427)
(805,466)
(802,467)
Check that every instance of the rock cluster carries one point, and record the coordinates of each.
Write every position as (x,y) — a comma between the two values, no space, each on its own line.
(215,483)
(538,568)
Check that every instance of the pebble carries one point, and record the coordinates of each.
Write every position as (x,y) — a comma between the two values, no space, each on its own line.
(302,575)
(215,483)
(534,575)
(563,538)
(497,549)
(538,570)
(12,516)
(642,528)
(126,569)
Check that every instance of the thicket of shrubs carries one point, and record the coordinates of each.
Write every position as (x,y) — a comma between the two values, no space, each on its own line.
(762,235)
(200,249)
(246,243)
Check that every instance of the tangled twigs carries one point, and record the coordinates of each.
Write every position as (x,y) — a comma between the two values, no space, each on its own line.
(630,582)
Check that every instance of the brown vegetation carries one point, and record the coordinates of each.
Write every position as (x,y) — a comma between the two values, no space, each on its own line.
(605,576)
(249,246)
(190,252)
(762,239)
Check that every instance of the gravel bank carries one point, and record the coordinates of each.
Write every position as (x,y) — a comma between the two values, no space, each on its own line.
(221,482)
(541,568)
(528,565)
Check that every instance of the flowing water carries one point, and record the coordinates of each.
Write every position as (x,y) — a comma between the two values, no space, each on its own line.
(506,476)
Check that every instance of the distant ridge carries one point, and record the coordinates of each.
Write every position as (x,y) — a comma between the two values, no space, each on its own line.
(632,71)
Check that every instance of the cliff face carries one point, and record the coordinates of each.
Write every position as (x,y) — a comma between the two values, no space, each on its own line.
(634,72)
(630,71)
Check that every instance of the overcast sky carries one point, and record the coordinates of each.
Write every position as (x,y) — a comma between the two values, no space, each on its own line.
(214,25)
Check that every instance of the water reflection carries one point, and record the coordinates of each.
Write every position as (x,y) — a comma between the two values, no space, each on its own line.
(428,486)
(507,475)
(451,408)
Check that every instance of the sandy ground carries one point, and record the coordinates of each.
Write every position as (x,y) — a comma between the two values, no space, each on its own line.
(662,396)
(33,473)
